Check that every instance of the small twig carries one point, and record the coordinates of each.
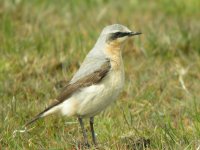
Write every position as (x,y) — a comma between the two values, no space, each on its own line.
(71,122)
(20,131)
(181,72)
(198,148)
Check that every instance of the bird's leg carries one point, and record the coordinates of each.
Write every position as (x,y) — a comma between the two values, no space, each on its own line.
(92,130)
(84,132)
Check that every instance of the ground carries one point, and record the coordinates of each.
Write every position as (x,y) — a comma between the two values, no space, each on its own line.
(42,43)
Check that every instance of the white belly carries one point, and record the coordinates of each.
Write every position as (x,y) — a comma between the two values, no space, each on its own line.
(96,98)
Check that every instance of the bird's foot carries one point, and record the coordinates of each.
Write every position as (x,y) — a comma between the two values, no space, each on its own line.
(84,145)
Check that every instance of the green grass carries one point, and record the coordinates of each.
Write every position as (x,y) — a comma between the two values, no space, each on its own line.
(44,42)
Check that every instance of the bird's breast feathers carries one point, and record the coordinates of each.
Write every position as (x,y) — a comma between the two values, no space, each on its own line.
(96,98)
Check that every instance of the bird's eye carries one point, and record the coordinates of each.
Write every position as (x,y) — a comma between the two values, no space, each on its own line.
(118,35)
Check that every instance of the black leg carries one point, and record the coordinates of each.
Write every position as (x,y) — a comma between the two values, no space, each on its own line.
(84,132)
(92,130)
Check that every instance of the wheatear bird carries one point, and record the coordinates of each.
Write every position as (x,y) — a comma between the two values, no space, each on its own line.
(98,81)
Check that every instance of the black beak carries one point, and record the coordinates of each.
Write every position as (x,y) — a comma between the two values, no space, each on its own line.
(134,33)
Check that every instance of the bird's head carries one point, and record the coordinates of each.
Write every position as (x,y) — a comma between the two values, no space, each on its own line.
(110,40)
(117,33)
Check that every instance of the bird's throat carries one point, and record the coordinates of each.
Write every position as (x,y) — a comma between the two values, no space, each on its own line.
(113,51)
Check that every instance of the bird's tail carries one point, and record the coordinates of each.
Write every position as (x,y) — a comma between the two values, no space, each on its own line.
(33,120)
(44,113)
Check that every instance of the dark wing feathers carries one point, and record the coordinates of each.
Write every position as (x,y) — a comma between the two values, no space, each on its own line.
(88,80)
(69,89)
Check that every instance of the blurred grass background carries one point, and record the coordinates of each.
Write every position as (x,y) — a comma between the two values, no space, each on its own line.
(44,42)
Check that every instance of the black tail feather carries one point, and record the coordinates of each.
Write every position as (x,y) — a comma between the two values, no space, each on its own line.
(40,115)
(33,120)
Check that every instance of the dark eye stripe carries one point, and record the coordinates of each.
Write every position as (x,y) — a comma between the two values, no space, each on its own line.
(118,35)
